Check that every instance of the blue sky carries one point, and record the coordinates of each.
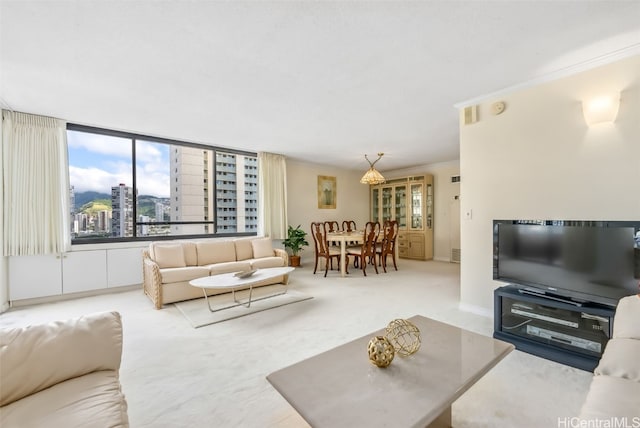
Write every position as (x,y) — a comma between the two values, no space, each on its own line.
(99,162)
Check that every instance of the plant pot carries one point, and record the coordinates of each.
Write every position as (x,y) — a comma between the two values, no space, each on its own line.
(294,261)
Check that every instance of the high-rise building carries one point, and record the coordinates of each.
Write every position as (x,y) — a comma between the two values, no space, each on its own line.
(189,170)
(159,211)
(231,200)
(122,211)
(103,221)
(143,230)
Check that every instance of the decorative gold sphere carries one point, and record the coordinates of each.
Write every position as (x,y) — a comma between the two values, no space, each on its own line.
(404,336)
(381,351)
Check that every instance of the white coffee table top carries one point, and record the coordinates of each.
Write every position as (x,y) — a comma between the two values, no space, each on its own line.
(228,280)
(341,388)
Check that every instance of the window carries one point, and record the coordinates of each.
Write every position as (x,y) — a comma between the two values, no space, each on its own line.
(106,166)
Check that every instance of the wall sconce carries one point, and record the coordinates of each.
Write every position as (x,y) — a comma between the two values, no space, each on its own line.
(603,109)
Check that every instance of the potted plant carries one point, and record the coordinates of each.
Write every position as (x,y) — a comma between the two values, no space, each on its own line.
(295,241)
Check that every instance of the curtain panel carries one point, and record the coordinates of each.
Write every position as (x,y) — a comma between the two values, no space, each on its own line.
(36,212)
(272,200)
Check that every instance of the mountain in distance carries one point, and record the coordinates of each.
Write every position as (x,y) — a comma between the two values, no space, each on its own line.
(83,198)
(92,201)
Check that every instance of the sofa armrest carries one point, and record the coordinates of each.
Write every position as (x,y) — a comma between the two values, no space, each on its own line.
(626,323)
(151,279)
(37,357)
(278,252)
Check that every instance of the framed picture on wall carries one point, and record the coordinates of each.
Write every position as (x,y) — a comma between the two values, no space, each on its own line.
(326,192)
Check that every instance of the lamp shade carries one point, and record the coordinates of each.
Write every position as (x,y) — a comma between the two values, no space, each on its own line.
(372,176)
(602,109)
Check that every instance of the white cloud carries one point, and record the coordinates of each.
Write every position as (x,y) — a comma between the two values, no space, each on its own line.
(101,144)
(95,179)
(98,180)
(110,157)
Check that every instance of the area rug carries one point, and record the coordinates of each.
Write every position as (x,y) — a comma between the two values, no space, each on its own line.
(198,314)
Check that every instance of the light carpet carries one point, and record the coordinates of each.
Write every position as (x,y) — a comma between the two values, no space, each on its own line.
(176,376)
(198,314)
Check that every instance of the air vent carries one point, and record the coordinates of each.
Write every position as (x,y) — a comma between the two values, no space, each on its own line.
(455,255)
(470,115)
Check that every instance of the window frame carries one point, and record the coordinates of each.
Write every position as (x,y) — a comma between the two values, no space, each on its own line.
(148,138)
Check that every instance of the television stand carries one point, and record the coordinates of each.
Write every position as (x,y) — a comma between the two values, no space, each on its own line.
(549,296)
(552,327)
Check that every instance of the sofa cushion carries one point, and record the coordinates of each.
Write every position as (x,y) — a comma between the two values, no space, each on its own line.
(228,267)
(36,357)
(169,255)
(210,252)
(611,397)
(170,275)
(267,262)
(621,358)
(93,400)
(190,253)
(262,247)
(244,249)
(627,319)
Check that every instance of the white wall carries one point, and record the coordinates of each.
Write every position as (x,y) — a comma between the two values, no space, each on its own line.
(4,283)
(539,160)
(444,193)
(352,197)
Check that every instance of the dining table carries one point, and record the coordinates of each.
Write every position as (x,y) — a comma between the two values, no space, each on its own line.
(355,237)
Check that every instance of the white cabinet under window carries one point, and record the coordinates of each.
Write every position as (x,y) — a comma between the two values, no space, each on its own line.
(84,271)
(34,276)
(73,272)
(124,267)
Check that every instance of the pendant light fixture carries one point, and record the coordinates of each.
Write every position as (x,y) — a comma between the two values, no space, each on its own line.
(372,176)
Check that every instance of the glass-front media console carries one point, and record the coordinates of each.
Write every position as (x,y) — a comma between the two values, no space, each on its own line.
(561,331)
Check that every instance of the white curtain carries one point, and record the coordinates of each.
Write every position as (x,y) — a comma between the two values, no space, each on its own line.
(36,216)
(272,200)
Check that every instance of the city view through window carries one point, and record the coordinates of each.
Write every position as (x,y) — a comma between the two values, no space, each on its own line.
(180,189)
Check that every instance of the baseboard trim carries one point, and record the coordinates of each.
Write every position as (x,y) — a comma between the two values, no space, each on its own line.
(474,309)
(442,259)
(70,296)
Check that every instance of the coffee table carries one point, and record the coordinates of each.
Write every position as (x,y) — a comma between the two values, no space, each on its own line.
(228,281)
(341,388)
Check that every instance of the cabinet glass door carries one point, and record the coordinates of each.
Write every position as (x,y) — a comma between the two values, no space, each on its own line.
(416,206)
(429,203)
(387,197)
(375,204)
(401,206)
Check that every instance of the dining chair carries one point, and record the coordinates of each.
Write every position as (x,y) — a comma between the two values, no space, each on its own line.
(332,226)
(349,226)
(388,245)
(322,247)
(366,253)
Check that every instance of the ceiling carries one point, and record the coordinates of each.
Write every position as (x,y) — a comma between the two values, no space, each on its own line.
(325,82)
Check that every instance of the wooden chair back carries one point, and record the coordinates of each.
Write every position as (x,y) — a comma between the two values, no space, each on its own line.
(371,234)
(319,232)
(331,226)
(390,233)
(349,226)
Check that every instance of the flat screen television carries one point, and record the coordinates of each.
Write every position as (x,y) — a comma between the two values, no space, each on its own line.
(577,261)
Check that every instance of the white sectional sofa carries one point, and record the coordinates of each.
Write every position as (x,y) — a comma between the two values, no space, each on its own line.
(614,395)
(64,374)
(168,266)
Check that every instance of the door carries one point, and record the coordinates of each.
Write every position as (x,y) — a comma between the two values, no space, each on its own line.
(400,204)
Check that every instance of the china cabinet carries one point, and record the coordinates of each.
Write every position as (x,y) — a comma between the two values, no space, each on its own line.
(409,201)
